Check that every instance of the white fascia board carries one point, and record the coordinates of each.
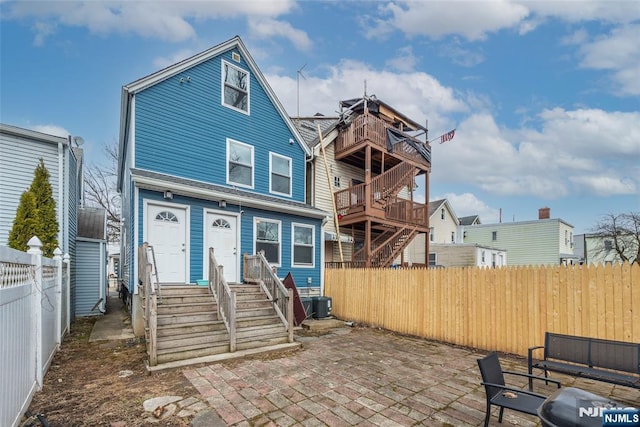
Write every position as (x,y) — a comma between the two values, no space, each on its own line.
(32,134)
(203,193)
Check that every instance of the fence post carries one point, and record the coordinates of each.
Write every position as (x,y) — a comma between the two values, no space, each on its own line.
(57,257)
(36,259)
(67,260)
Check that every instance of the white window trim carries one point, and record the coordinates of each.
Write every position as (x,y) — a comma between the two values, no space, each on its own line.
(240,110)
(293,245)
(271,156)
(253,166)
(255,237)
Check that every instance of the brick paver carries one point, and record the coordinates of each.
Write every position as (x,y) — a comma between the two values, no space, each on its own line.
(366,377)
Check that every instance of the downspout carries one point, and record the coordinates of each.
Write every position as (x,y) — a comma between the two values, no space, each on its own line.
(62,187)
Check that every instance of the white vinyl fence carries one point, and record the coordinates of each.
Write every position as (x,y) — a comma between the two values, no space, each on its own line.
(34,316)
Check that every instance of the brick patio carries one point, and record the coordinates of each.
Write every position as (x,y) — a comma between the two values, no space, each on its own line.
(365,377)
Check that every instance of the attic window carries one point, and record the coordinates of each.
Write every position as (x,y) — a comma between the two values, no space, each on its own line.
(235,87)
(235,56)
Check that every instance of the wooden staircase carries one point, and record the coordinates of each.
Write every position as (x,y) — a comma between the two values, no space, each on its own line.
(257,324)
(188,326)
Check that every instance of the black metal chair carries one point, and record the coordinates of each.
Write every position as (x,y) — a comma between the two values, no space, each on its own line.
(500,395)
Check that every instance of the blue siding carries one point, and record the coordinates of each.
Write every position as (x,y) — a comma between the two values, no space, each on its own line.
(182,128)
(196,238)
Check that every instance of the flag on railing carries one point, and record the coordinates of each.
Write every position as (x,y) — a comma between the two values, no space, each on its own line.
(447,136)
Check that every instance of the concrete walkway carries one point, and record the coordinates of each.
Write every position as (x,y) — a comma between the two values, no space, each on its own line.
(115,324)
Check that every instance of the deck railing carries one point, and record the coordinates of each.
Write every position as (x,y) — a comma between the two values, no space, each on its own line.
(149,287)
(367,127)
(225,298)
(258,270)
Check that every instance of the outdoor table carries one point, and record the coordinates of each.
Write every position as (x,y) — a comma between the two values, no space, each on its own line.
(573,407)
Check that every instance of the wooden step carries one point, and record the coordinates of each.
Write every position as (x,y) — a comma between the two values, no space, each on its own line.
(188,328)
(173,319)
(193,340)
(258,332)
(191,352)
(186,298)
(185,308)
(254,312)
(246,322)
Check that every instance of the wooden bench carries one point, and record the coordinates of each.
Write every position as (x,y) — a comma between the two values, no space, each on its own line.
(615,362)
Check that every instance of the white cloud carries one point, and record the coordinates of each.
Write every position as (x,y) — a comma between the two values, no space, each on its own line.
(467,204)
(570,153)
(606,185)
(267,28)
(165,61)
(417,94)
(437,19)
(405,61)
(51,129)
(165,20)
(618,52)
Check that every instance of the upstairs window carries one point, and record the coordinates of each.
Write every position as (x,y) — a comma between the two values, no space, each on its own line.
(235,87)
(280,177)
(453,237)
(336,181)
(431,236)
(442,214)
(239,164)
(268,239)
(494,235)
(303,245)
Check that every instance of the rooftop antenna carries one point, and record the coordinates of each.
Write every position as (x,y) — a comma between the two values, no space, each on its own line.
(365,88)
(299,74)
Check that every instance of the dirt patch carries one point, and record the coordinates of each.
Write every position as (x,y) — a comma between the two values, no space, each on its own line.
(87,384)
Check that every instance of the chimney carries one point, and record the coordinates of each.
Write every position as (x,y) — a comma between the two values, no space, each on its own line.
(544,213)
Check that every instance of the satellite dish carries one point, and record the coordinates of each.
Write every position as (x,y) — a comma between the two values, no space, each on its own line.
(78,140)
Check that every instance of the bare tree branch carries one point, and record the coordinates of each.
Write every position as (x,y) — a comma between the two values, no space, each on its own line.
(100,191)
(620,234)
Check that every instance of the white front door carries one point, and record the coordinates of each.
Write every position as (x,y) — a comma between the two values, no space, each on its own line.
(167,233)
(222,235)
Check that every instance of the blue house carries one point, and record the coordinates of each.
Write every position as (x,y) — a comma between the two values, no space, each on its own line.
(209,158)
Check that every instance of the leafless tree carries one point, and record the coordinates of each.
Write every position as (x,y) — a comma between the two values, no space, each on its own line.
(100,190)
(620,233)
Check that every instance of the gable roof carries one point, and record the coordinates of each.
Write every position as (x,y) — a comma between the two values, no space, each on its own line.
(129,90)
(442,203)
(435,205)
(308,127)
(470,220)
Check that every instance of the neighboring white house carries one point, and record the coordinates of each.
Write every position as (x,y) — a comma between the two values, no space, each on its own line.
(446,247)
(20,153)
(546,241)
(595,249)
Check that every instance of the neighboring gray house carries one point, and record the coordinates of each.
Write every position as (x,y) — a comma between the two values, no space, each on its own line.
(595,249)
(466,255)
(91,266)
(20,152)
(545,241)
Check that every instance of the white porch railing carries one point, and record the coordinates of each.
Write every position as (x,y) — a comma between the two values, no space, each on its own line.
(150,290)
(257,269)
(34,303)
(225,298)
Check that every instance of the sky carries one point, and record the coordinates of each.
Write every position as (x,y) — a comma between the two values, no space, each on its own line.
(544,96)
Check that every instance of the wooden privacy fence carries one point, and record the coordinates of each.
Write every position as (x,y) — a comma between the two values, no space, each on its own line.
(506,309)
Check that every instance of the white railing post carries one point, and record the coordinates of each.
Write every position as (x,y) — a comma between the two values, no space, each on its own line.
(36,259)
(67,260)
(57,257)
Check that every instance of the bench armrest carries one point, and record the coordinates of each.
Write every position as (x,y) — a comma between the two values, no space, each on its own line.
(534,377)
(515,390)
(530,357)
